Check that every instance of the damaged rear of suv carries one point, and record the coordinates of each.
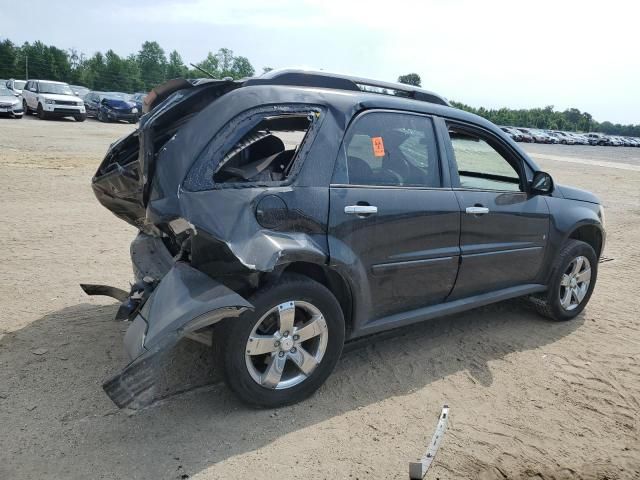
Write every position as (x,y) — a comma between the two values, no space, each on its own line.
(257,207)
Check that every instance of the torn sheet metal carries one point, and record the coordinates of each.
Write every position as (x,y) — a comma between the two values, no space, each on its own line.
(105,290)
(185,301)
(417,470)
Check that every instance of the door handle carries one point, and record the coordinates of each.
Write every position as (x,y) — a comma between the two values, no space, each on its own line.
(477,210)
(361,209)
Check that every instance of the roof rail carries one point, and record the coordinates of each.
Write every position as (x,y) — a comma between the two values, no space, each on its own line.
(319,79)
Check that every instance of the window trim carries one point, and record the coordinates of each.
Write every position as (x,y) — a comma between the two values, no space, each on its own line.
(483,133)
(235,129)
(439,150)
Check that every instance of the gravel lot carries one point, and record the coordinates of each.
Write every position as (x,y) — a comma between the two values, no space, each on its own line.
(529,398)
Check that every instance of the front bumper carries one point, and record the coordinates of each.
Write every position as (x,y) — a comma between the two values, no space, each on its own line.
(11,109)
(115,115)
(185,301)
(63,110)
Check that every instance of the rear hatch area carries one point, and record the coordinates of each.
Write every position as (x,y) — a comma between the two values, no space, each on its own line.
(122,181)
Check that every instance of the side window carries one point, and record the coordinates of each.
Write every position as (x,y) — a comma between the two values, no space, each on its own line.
(480,164)
(389,149)
(267,152)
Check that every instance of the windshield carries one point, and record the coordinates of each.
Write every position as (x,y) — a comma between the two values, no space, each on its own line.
(19,84)
(5,91)
(58,88)
(115,96)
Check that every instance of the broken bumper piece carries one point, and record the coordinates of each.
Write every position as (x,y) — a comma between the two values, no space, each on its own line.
(184,301)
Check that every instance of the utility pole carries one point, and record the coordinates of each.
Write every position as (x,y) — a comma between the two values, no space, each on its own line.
(26,67)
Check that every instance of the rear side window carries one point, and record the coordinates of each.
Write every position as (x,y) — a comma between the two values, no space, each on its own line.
(389,149)
(266,153)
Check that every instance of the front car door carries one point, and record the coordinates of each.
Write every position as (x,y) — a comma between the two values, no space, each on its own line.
(504,229)
(394,220)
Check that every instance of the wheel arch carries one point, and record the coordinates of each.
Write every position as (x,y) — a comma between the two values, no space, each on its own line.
(331,279)
(589,233)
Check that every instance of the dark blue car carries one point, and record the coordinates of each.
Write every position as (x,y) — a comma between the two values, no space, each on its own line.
(111,107)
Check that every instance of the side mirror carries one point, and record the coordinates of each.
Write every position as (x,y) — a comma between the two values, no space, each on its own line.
(542,183)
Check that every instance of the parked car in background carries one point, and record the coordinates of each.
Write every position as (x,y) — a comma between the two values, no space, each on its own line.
(79,90)
(532,135)
(111,107)
(51,99)
(10,102)
(527,135)
(514,133)
(615,141)
(15,85)
(541,137)
(524,136)
(598,139)
(579,138)
(564,137)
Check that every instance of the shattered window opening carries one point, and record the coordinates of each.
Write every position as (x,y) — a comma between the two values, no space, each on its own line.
(267,152)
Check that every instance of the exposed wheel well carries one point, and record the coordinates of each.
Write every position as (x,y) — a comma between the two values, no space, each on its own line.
(589,234)
(330,279)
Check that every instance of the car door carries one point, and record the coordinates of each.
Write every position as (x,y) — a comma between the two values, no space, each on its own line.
(503,229)
(90,103)
(394,220)
(27,93)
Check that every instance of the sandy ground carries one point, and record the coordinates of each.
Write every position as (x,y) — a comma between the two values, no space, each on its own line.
(529,398)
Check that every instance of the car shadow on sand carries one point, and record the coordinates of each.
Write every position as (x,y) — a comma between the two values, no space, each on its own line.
(53,409)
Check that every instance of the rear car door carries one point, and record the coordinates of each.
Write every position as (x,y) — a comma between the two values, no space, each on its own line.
(28,93)
(393,220)
(503,229)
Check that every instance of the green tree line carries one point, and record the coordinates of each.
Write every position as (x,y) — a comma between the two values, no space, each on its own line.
(141,71)
(570,119)
(546,118)
(109,71)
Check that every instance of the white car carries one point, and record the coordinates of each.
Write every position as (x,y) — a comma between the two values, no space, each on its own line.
(51,99)
(15,85)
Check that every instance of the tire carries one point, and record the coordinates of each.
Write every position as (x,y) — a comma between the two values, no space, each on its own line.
(80,118)
(100,117)
(244,371)
(549,303)
(25,107)
(41,113)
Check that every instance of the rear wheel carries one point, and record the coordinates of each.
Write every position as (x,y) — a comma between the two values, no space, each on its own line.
(572,282)
(285,349)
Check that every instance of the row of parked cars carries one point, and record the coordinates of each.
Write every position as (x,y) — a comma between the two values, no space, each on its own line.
(50,99)
(534,135)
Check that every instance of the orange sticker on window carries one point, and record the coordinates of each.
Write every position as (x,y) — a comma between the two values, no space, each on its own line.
(378,146)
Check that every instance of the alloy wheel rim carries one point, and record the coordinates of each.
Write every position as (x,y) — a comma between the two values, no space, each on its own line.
(286,345)
(575,282)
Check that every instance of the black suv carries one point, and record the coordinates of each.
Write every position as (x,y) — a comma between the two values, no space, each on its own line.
(283,215)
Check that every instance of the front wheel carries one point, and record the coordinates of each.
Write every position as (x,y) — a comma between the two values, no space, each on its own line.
(572,281)
(41,113)
(25,107)
(285,349)
(80,118)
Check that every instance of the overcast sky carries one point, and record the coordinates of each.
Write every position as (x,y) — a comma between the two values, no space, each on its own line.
(484,53)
